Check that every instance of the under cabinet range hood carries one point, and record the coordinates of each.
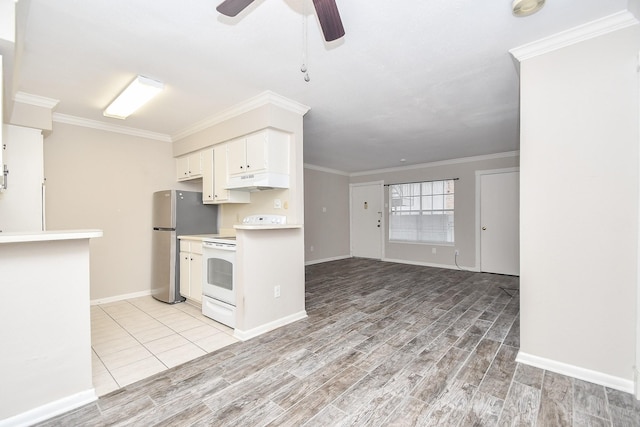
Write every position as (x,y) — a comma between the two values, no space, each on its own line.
(258,181)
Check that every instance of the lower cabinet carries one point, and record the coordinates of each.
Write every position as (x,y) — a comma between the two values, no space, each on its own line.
(191,270)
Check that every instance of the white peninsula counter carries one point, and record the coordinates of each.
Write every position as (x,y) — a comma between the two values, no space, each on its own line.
(270,278)
(45,324)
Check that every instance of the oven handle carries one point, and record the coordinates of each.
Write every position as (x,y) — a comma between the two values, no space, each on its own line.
(221,246)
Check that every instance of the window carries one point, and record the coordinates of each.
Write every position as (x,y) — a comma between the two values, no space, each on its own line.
(422,212)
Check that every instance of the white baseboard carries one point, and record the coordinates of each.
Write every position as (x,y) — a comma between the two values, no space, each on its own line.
(50,410)
(576,372)
(429,264)
(120,297)
(320,261)
(251,333)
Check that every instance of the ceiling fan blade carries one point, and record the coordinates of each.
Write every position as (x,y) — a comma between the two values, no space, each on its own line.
(233,7)
(329,18)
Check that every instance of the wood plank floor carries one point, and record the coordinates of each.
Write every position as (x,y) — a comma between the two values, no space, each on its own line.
(384,345)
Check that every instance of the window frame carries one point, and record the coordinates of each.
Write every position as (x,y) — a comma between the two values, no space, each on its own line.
(424,194)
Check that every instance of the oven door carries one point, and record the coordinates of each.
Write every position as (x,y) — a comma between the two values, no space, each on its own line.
(218,272)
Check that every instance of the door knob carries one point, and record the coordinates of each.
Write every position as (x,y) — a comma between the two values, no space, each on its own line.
(484,228)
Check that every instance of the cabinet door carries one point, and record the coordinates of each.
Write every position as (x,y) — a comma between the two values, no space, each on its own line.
(182,168)
(236,157)
(195,164)
(256,152)
(208,190)
(220,173)
(195,281)
(185,267)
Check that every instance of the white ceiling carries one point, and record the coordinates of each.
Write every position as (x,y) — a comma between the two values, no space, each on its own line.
(414,79)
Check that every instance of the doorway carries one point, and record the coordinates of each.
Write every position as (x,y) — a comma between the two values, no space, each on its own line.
(367,219)
(498,231)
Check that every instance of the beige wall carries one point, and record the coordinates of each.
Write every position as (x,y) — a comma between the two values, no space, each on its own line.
(465,208)
(104,180)
(579,216)
(326,199)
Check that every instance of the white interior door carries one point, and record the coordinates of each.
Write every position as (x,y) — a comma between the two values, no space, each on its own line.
(366,220)
(499,223)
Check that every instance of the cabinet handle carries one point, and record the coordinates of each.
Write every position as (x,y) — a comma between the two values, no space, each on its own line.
(190,259)
(241,167)
(248,166)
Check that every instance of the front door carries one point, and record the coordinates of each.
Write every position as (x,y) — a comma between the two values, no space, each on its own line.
(499,223)
(367,220)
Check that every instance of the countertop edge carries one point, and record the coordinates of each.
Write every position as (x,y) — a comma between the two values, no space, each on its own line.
(47,236)
(267,227)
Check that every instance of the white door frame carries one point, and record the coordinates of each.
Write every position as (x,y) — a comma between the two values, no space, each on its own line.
(479,173)
(384,216)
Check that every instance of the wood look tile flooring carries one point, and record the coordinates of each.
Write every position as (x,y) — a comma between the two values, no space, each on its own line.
(384,345)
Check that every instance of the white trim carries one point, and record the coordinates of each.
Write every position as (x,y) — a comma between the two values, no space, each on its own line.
(251,333)
(608,24)
(323,169)
(35,100)
(430,264)
(51,409)
(441,163)
(383,219)
(265,98)
(94,124)
(637,367)
(576,372)
(320,261)
(120,297)
(479,173)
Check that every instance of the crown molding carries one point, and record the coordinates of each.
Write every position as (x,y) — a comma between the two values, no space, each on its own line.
(440,163)
(326,170)
(94,124)
(265,98)
(592,29)
(35,100)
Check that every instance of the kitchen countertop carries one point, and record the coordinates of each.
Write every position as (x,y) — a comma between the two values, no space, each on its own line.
(201,237)
(266,227)
(44,236)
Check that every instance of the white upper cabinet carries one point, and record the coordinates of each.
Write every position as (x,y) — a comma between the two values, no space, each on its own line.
(189,166)
(208,177)
(221,194)
(265,151)
(214,178)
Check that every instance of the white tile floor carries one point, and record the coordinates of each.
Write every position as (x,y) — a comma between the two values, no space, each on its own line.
(136,338)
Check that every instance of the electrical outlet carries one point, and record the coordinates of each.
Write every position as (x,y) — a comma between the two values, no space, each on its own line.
(457,252)
(276,291)
(277,204)
(433,250)
(311,248)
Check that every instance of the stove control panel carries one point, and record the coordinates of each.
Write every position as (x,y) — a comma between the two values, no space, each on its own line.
(265,220)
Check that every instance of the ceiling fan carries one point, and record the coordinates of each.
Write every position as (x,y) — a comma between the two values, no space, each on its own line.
(327,11)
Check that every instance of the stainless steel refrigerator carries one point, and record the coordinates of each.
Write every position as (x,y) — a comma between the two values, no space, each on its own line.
(175,213)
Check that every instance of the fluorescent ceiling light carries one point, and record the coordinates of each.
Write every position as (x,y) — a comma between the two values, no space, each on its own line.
(141,90)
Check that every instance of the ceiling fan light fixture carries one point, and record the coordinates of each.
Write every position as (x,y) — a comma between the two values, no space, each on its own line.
(134,96)
(526,7)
